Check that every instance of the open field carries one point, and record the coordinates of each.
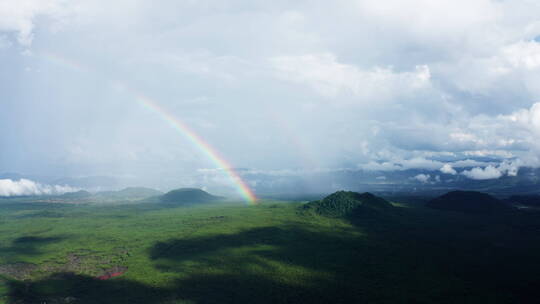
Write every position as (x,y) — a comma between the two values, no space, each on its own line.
(270,253)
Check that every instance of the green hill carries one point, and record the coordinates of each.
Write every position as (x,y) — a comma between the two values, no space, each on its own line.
(468,202)
(349,204)
(187,196)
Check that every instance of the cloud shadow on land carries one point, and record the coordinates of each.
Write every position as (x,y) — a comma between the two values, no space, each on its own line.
(429,257)
(292,245)
(29,245)
(289,264)
(246,267)
(72,288)
(219,288)
(416,256)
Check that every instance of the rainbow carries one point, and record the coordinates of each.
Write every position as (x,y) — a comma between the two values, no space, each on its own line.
(197,141)
(147,103)
(63,61)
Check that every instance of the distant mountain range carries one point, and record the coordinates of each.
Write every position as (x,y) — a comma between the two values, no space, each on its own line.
(127,194)
(434,182)
(301,183)
(469,202)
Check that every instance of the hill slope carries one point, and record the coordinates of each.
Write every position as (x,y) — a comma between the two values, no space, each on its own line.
(468,202)
(526,200)
(187,196)
(129,193)
(349,204)
(76,195)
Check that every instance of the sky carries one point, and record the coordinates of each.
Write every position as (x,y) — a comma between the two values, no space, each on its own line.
(273,86)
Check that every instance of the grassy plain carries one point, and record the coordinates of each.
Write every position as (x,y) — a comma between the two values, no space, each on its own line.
(270,253)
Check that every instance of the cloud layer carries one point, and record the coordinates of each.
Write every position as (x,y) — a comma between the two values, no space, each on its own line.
(19,17)
(22,187)
(450,86)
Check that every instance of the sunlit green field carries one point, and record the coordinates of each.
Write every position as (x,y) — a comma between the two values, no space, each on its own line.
(270,253)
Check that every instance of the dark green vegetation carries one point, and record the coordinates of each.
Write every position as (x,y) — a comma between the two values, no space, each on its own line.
(187,196)
(469,202)
(270,253)
(349,204)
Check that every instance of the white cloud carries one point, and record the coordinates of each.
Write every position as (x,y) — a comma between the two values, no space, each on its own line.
(506,167)
(447,169)
(399,164)
(489,172)
(380,166)
(523,54)
(419,84)
(20,187)
(19,16)
(510,168)
(526,118)
(423,178)
(330,78)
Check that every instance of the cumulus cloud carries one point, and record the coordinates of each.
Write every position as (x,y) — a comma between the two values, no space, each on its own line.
(21,187)
(19,16)
(447,169)
(489,172)
(507,167)
(397,163)
(528,119)
(523,54)
(400,164)
(423,178)
(326,75)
